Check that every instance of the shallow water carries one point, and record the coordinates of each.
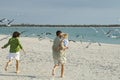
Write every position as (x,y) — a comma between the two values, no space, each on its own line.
(100,34)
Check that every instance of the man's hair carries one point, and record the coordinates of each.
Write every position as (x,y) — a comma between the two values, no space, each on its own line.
(58,32)
(16,34)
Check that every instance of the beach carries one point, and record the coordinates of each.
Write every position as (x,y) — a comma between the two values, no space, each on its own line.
(93,63)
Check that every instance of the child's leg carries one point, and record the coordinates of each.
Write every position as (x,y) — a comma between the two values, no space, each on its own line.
(17,66)
(8,63)
(62,70)
(54,69)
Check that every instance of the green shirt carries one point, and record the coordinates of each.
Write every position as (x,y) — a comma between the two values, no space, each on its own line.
(15,45)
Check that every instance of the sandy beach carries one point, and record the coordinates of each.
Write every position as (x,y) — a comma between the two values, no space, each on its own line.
(92,63)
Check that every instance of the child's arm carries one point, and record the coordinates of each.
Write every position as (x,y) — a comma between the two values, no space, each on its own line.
(21,47)
(20,44)
(24,51)
(6,45)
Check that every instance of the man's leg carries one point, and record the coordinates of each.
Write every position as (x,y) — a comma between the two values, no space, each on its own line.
(62,70)
(54,69)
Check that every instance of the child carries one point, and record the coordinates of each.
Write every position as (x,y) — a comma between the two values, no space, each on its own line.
(65,40)
(15,47)
(65,43)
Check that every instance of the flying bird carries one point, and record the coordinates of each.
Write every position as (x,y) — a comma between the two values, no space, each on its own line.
(72,40)
(2,20)
(117,30)
(77,36)
(109,32)
(9,22)
(94,29)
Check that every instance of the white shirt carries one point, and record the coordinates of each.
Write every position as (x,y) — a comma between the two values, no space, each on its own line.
(66,42)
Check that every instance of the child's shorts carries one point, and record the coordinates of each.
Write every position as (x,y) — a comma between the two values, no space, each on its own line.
(14,56)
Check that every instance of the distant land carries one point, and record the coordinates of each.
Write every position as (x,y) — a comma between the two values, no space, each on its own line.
(50,25)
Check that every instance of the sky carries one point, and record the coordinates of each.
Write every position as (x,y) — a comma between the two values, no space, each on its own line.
(61,11)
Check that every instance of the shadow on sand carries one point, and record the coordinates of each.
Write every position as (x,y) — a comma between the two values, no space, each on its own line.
(23,76)
(18,75)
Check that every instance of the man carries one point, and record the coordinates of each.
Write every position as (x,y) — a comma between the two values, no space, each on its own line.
(57,54)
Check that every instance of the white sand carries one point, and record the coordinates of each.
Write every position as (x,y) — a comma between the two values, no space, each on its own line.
(93,63)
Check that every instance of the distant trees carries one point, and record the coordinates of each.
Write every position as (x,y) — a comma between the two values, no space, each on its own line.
(49,25)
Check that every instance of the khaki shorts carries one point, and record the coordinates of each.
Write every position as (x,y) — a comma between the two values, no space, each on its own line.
(60,61)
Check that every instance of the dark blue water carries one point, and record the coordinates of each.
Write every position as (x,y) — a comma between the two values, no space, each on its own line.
(75,33)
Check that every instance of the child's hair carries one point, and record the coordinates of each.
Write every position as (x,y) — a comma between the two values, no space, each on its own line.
(16,34)
(65,35)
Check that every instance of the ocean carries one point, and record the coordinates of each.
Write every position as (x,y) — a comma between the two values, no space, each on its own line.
(86,34)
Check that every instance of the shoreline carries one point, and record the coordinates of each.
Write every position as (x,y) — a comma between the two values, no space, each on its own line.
(4,36)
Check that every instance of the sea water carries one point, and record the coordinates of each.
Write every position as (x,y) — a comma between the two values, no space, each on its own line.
(92,34)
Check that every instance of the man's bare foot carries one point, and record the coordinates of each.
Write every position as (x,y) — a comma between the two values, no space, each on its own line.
(62,76)
(6,68)
(53,73)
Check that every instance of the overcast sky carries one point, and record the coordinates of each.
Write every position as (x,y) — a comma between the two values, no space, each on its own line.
(61,11)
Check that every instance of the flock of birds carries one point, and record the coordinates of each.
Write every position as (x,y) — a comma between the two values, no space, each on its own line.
(6,21)
(109,34)
(82,38)
(43,35)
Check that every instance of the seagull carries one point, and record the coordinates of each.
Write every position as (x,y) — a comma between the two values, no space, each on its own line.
(81,41)
(81,38)
(103,31)
(117,30)
(40,38)
(42,33)
(99,44)
(108,34)
(9,22)
(88,44)
(48,33)
(94,29)
(38,35)
(77,36)
(72,40)
(114,36)
(2,20)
